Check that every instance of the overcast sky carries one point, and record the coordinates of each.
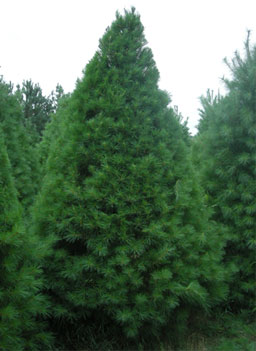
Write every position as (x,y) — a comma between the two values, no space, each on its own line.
(51,41)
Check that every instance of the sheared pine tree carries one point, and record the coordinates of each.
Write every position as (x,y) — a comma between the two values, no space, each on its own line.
(131,243)
(20,301)
(22,155)
(227,144)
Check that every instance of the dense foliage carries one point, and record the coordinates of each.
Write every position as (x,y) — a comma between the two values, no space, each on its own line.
(118,230)
(227,162)
(21,153)
(52,130)
(121,197)
(37,108)
(20,301)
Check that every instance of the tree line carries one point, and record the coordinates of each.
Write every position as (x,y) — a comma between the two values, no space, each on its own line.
(118,229)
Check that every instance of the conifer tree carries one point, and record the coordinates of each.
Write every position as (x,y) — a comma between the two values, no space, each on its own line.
(37,108)
(22,155)
(226,154)
(52,129)
(20,301)
(131,243)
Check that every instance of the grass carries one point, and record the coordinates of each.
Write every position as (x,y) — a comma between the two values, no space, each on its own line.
(228,333)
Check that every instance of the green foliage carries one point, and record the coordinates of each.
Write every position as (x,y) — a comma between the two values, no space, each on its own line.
(37,108)
(233,334)
(210,104)
(133,246)
(23,157)
(225,150)
(20,301)
(52,130)
(130,246)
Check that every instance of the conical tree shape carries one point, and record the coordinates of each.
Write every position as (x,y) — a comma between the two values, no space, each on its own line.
(23,157)
(52,130)
(226,146)
(120,197)
(20,302)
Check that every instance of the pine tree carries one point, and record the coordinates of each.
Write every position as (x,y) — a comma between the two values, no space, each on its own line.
(52,128)
(20,301)
(226,151)
(37,108)
(121,199)
(22,155)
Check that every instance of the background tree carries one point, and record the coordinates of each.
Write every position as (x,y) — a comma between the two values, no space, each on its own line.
(22,155)
(20,301)
(121,199)
(38,108)
(226,151)
(53,128)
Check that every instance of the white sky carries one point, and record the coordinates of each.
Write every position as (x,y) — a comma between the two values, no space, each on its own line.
(51,41)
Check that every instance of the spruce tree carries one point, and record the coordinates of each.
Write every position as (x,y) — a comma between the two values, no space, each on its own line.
(22,155)
(20,301)
(121,201)
(226,154)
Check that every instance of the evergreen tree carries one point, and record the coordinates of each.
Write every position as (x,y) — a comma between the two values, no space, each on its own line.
(22,155)
(52,128)
(37,108)
(226,154)
(20,301)
(121,199)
